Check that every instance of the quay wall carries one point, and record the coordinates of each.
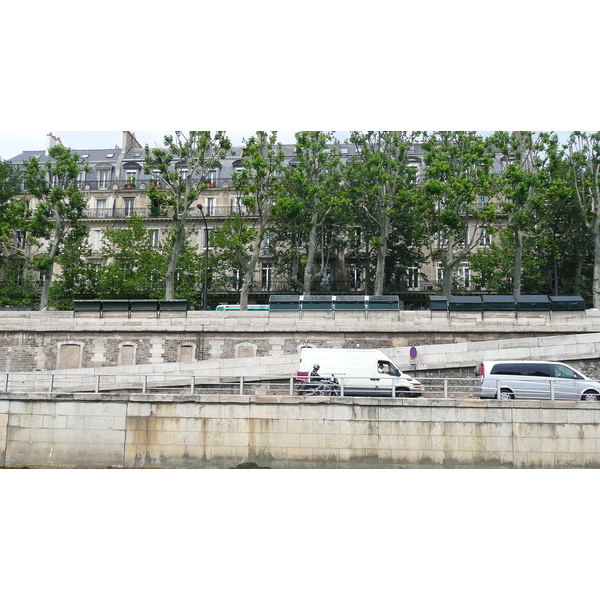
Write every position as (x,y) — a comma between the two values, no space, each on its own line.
(46,341)
(40,430)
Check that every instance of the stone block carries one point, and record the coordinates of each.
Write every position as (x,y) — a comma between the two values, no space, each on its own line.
(112,437)
(287,440)
(305,426)
(583,445)
(583,415)
(18,434)
(527,444)
(540,460)
(235,439)
(326,426)
(311,440)
(42,435)
(498,444)
(391,442)
(434,457)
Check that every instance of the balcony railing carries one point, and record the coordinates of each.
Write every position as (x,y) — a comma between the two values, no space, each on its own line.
(143,183)
(146,212)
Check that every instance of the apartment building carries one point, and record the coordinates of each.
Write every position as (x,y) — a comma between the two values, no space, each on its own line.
(116,187)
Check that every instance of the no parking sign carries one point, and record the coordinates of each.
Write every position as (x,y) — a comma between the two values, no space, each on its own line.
(413,353)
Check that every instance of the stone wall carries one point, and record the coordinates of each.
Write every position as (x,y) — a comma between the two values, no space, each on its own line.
(33,340)
(163,431)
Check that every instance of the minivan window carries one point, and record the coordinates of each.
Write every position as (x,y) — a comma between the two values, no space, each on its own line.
(507,369)
(564,372)
(525,369)
(536,370)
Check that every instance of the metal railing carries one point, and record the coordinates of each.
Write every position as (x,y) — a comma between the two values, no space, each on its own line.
(432,388)
(123,213)
(143,183)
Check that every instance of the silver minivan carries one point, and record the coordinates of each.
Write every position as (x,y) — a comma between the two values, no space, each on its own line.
(533,380)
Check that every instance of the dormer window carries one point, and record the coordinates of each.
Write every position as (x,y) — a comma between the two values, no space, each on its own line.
(212,178)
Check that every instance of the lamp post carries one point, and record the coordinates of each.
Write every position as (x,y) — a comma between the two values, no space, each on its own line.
(206,259)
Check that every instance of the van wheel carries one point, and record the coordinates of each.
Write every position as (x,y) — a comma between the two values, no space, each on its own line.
(506,394)
(590,396)
(401,394)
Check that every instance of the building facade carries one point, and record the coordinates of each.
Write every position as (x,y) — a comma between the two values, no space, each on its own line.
(116,187)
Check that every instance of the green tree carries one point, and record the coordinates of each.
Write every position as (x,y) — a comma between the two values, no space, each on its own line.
(383,183)
(60,206)
(526,162)
(312,207)
(455,210)
(259,187)
(135,268)
(12,208)
(183,169)
(583,157)
(77,277)
(18,288)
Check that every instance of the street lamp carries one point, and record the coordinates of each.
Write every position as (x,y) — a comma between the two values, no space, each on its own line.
(206,259)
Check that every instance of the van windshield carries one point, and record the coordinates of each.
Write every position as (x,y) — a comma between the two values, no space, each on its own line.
(387,368)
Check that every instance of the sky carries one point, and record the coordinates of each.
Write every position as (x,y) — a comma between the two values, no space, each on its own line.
(13,143)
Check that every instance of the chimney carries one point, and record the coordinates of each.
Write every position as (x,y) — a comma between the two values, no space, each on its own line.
(129,141)
(51,141)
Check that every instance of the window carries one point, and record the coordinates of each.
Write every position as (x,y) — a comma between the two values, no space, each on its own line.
(110,155)
(210,206)
(20,239)
(415,164)
(464,274)
(212,178)
(355,277)
(103,180)
(267,242)
(236,279)
(440,240)
(97,239)
(101,207)
(564,372)
(485,239)
(265,276)
(482,201)
(439,268)
(206,234)
(412,274)
(154,237)
(128,204)
(130,177)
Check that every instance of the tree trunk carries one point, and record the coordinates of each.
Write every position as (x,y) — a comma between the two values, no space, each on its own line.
(45,293)
(596,277)
(249,272)
(380,268)
(518,264)
(175,254)
(310,258)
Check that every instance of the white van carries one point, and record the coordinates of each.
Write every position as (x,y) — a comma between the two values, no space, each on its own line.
(533,380)
(359,372)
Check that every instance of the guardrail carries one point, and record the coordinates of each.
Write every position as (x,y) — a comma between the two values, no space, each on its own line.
(440,388)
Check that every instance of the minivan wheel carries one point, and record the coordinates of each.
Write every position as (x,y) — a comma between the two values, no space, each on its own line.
(506,394)
(590,396)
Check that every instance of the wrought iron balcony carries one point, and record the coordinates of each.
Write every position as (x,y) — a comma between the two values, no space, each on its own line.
(142,183)
(147,212)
